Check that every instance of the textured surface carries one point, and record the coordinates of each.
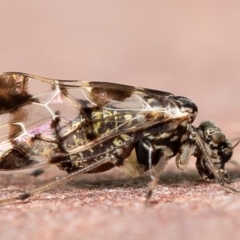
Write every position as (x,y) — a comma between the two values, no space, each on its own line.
(190,48)
(105,208)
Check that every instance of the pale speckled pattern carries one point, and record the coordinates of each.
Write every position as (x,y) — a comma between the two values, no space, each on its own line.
(190,48)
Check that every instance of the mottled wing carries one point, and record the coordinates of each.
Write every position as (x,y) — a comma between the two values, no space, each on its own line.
(42,117)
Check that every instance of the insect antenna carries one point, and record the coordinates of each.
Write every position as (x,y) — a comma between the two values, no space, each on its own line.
(232,160)
(236,144)
(229,189)
(57,182)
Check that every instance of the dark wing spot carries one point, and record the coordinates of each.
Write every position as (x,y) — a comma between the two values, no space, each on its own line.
(15,159)
(13,92)
(55,123)
(110,91)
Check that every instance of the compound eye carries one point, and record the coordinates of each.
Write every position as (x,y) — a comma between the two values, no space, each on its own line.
(218,137)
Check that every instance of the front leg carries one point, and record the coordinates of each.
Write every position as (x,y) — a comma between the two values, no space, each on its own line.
(218,148)
(205,172)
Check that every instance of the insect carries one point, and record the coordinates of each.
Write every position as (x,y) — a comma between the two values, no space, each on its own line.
(89,127)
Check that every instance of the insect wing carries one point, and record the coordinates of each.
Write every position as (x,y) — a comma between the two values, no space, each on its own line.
(41,117)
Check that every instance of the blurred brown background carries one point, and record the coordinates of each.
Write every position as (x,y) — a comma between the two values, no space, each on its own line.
(190,48)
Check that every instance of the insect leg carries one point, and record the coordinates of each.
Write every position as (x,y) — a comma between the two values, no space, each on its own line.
(157,161)
(57,182)
(146,154)
(185,151)
(157,170)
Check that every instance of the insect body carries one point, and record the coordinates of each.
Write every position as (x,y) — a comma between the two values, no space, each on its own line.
(88,127)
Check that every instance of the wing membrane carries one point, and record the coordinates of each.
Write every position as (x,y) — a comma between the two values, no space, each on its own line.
(41,117)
